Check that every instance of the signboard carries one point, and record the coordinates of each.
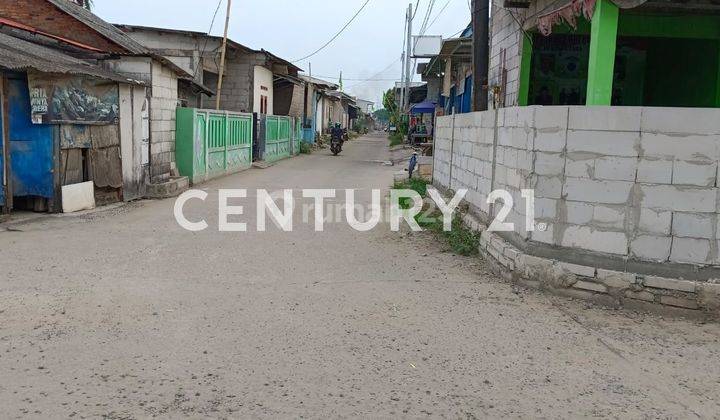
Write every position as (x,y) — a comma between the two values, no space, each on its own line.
(67,99)
(427,46)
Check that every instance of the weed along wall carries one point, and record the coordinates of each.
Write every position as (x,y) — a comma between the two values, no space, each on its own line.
(626,198)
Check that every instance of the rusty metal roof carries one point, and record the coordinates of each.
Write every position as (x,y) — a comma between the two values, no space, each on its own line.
(17,54)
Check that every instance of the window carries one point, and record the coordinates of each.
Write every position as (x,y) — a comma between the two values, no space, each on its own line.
(263,104)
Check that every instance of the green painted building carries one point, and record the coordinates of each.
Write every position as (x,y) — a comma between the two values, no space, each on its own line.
(606,52)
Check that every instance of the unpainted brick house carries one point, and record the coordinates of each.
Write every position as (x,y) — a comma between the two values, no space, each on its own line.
(253,80)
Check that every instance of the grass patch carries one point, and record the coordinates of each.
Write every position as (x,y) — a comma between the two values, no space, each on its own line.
(461,240)
(396,139)
(305,148)
(415,184)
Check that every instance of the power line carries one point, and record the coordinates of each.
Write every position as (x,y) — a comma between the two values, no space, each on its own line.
(357,79)
(204,48)
(377,74)
(336,35)
(439,13)
(416,9)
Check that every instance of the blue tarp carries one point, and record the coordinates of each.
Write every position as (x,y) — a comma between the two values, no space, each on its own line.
(423,108)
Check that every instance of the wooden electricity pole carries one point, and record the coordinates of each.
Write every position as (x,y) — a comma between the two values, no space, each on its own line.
(222,56)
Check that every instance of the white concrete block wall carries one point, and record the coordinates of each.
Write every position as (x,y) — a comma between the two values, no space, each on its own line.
(163,104)
(614,180)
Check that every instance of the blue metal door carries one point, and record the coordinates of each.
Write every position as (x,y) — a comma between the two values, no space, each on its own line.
(467,96)
(31,145)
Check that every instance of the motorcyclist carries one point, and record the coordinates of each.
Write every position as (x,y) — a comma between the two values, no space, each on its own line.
(337,132)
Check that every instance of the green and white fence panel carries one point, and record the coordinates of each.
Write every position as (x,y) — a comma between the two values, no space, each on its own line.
(278,138)
(210,144)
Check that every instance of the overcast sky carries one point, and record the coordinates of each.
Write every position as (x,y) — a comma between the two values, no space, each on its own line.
(292,29)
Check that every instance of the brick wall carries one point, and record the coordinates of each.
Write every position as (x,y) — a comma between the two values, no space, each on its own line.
(635,183)
(506,35)
(163,104)
(237,90)
(42,15)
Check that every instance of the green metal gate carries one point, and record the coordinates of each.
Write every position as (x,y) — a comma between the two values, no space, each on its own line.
(278,138)
(210,144)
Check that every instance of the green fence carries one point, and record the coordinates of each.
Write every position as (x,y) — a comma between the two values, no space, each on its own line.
(210,144)
(278,138)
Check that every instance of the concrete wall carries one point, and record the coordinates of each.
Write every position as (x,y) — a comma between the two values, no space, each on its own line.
(320,112)
(136,68)
(163,103)
(637,183)
(628,196)
(263,85)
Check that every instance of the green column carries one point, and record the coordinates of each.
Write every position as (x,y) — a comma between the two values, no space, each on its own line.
(525,63)
(603,40)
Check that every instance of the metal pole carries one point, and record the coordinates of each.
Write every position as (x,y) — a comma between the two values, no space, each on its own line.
(481,54)
(407,58)
(401,103)
(222,56)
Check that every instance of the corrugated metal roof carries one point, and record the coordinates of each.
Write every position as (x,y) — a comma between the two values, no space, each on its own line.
(18,54)
(319,82)
(105,29)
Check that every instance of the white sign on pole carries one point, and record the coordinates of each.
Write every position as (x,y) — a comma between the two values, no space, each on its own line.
(427,46)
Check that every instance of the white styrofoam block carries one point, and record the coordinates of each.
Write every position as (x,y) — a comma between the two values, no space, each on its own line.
(78,197)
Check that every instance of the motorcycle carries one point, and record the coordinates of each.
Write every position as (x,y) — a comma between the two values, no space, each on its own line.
(336,145)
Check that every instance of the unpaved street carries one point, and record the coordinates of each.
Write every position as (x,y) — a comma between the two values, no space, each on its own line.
(123,314)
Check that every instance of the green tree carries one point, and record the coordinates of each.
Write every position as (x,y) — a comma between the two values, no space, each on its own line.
(382,115)
(394,112)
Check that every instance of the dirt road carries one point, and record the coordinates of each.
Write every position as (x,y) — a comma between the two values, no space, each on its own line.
(122,314)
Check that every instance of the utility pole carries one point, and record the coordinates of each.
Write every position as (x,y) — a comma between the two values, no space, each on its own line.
(222,56)
(305,96)
(401,103)
(407,58)
(481,53)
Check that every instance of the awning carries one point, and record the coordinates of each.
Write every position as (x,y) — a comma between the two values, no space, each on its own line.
(423,108)
(567,11)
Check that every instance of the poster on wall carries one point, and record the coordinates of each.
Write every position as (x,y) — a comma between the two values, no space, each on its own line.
(67,99)
(560,70)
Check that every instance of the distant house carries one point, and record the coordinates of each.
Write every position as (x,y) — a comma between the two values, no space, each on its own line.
(254,80)
(418,92)
(320,105)
(342,107)
(366,107)
(449,75)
